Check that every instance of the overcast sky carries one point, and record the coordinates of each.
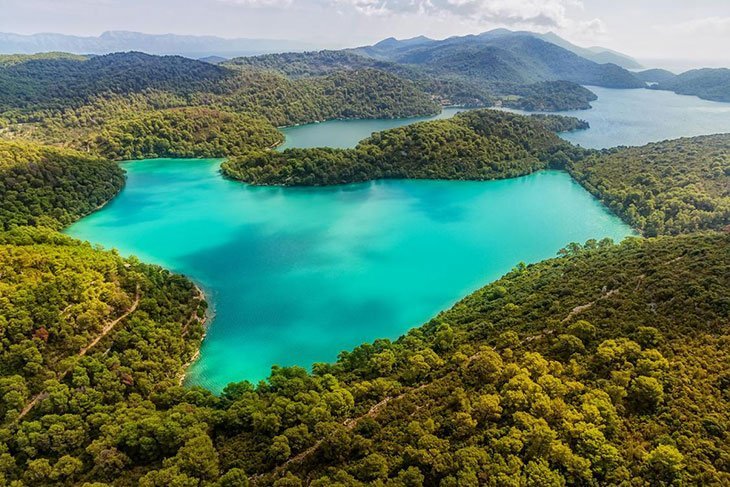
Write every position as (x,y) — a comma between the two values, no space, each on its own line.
(647,29)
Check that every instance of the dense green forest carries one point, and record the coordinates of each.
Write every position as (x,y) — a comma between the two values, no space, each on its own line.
(708,83)
(71,100)
(607,365)
(560,123)
(38,85)
(49,186)
(549,96)
(670,187)
(187,132)
(479,144)
(451,88)
(582,370)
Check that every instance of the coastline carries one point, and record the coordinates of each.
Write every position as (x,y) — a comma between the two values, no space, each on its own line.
(204,321)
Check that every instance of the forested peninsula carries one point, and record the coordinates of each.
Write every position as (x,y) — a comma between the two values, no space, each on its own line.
(479,145)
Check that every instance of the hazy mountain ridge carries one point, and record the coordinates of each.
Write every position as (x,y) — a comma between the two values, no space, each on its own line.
(514,69)
(117,41)
(655,75)
(501,57)
(708,83)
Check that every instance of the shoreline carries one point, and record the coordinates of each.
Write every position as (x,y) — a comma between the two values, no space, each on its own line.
(204,321)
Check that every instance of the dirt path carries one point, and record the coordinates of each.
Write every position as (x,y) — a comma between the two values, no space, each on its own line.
(104,332)
(580,309)
(349,423)
(109,327)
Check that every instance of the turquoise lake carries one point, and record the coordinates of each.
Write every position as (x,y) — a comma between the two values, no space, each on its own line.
(297,275)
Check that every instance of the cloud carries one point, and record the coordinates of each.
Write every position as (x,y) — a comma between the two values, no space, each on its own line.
(540,13)
(707,25)
(260,3)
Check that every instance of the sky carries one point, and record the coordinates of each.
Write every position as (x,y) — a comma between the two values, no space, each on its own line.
(647,29)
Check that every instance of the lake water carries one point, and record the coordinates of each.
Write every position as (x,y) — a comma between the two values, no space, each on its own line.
(637,117)
(297,275)
(618,117)
(347,133)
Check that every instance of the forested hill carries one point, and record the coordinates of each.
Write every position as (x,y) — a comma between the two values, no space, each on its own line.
(515,58)
(53,187)
(655,75)
(479,144)
(50,90)
(39,83)
(530,89)
(708,83)
(184,132)
(671,187)
(582,370)
(152,105)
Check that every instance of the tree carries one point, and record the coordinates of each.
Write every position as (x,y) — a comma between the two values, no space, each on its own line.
(664,464)
(645,394)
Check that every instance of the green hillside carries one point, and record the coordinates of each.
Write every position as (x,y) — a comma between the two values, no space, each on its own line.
(672,187)
(708,83)
(480,144)
(68,100)
(48,186)
(586,369)
(185,132)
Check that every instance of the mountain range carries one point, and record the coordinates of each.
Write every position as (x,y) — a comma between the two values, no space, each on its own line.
(501,56)
(205,46)
(597,54)
(118,41)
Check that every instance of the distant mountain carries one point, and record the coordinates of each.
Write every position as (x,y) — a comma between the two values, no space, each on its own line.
(655,75)
(118,41)
(213,59)
(501,56)
(600,55)
(708,83)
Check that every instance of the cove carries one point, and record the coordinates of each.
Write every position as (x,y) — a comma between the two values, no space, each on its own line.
(343,134)
(297,275)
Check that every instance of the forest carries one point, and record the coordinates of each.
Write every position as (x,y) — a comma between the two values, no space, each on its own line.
(52,187)
(708,83)
(184,132)
(479,144)
(549,96)
(665,188)
(93,103)
(606,365)
(581,370)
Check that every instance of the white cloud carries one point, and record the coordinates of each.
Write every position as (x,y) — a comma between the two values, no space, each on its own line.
(707,25)
(260,3)
(540,13)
